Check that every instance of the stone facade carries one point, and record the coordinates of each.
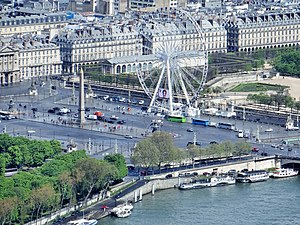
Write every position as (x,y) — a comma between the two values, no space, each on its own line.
(31,23)
(27,57)
(247,33)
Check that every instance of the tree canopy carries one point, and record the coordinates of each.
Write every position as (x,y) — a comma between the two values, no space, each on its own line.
(49,184)
(287,62)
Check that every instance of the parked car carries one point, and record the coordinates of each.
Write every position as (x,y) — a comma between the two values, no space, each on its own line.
(114,117)
(192,143)
(169,176)
(121,122)
(105,97)
(255,149)
(51,111)
(128,136)
(213,143)
(141,102)
(122,99)
(269,130)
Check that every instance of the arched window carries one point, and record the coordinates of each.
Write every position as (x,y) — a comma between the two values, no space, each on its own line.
(123,69)
(118,69)
(128,68)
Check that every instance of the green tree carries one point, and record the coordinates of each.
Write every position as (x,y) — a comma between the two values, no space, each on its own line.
(91,174)
(297,106)
(227,147)
(193,151)
(41,199)
(8,206)
(164,143)
(2,166)
(242,148)
(145,154)
(65,183)
(118,160)
(287,62)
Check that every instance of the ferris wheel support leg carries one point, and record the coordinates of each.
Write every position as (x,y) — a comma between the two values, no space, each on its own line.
(185,91)
(156,89)
(170,86)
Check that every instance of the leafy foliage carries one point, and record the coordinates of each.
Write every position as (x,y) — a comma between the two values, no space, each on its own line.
(118,160)
(287,62)
(29,195)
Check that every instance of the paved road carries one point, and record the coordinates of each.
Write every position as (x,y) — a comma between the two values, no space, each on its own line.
(136,123)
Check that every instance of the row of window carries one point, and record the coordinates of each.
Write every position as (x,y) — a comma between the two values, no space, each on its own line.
(26,21)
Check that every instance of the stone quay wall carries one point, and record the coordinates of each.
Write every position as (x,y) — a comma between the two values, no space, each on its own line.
(158,182)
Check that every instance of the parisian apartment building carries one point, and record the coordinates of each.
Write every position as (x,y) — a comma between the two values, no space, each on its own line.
(113,42)
(28,56)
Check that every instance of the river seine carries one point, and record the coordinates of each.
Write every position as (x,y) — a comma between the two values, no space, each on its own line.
(276,201)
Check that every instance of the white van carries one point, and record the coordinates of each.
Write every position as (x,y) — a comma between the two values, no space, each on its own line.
(64,110)
(240,134)
(92,117)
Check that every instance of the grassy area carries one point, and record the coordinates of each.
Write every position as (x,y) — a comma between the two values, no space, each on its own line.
(257,87)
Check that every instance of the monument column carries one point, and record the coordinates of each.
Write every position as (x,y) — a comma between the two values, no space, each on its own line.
(81,99)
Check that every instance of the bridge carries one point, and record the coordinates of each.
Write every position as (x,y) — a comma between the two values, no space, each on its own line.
(289,161)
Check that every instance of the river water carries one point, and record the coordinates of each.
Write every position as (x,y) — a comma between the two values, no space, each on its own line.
(273,202)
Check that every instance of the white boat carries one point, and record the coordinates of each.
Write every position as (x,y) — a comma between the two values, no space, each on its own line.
(209,182)
(284,172)
(83,222)
(252,176)
(122,211)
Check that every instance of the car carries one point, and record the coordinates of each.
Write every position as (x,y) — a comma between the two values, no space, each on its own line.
(141,102)
(122,99)
(87,109)
(192,143)
(213,143)
(269,130)
(255,149)
(114,117)
(128,136)
(290,149)
(110,121)
(275,145)
(105,97)
(264,154)
(121,122)
(190,130)
(34,109)
(51,111)
(144,108)
(133,101)
(169,176)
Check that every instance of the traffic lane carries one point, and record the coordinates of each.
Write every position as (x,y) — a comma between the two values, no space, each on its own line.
(62,133)
(204,135)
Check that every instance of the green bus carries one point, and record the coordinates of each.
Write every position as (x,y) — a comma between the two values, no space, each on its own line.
(178,119)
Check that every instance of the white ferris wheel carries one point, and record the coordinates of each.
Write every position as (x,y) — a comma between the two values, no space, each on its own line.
(172,60)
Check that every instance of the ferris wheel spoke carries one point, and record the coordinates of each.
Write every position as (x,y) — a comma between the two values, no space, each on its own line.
(187,80)
(191,75)
(182,85)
